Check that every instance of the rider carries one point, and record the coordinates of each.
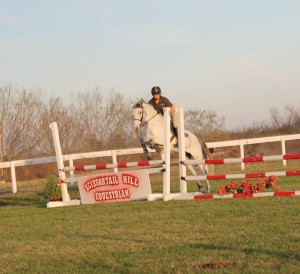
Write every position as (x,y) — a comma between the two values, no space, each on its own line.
(159,103)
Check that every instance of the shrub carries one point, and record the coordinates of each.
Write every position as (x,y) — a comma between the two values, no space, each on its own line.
(52,190)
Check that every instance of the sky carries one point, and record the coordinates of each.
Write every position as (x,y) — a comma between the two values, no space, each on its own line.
(239,58)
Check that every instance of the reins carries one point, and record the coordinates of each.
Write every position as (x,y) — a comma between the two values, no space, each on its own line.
(141,120)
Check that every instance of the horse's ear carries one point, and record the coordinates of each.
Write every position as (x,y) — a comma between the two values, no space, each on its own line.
(142,100)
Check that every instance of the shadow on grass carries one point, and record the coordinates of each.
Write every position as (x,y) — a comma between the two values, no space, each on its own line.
(249,251)
(36,200)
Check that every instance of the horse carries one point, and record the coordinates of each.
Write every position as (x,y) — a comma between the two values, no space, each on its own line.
(149,124)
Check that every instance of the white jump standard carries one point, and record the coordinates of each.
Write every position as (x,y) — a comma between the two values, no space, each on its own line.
(165,163)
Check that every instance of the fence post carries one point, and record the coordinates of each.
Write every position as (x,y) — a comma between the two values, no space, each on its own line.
(242,153)
(167,157)
(71,163)
(181,146)
(114,160)
(283,151)
(13,177)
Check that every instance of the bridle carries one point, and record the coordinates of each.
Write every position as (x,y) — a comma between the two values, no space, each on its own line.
(142,124)
(141,116)
(141,119)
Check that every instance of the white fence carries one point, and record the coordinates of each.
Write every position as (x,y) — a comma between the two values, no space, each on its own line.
(70,158)
(114,153)
(243,142)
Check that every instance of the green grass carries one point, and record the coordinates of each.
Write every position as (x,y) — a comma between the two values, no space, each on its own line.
(257,235)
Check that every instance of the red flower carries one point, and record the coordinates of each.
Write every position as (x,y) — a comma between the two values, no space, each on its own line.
(271,181)
(231,187)
(258,187)
(222,191)
(246,187)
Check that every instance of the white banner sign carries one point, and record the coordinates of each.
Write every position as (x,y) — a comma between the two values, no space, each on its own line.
(114,187)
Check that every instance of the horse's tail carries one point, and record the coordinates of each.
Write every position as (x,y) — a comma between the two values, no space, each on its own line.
(205,150)
(207,155)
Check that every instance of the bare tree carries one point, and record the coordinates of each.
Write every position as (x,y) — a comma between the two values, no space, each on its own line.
(1,159)
(5,104)
(294,116)
(21,125)
(123,135)
(19,121)
(287,121)
(56,111)
(99,117)
(205,124)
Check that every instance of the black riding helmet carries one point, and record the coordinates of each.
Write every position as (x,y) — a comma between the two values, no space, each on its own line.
(155,90)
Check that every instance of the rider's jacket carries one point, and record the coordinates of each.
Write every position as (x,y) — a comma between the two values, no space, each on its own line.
(163,102)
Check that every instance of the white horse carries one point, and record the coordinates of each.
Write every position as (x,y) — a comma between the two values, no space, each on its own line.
(150,125)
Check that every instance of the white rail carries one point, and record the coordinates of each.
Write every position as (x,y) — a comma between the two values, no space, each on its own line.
(243,142)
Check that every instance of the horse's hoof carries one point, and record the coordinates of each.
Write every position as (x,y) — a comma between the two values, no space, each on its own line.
(148,156)
(203,190)
(156,147)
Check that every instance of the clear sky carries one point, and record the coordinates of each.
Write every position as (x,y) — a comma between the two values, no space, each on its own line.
(236,57)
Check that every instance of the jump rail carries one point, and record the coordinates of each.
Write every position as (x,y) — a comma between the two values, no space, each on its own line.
(116,165)
(250,195)
(243,175)
(242,160)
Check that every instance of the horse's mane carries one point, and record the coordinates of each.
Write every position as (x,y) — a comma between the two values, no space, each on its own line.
(142,104)
(139,104)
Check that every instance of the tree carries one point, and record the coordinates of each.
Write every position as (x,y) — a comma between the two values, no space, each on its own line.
(5,105)
(20,122)
(287,121)
(56,111)
(205,124)
(101,119)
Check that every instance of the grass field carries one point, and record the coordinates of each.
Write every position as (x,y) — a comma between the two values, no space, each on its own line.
(256,235)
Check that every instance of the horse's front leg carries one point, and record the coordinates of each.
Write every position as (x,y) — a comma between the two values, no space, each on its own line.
(146,151)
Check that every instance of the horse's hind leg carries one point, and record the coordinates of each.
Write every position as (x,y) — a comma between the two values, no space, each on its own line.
(199,184)
(204,172)
(192,169)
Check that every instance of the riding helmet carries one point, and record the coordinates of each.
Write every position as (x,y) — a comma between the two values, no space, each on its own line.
(155,90)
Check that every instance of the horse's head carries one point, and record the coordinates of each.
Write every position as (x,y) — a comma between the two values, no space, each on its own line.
(138,115)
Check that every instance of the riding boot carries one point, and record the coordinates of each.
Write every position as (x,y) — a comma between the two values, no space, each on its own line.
(174,126)
(175,130)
